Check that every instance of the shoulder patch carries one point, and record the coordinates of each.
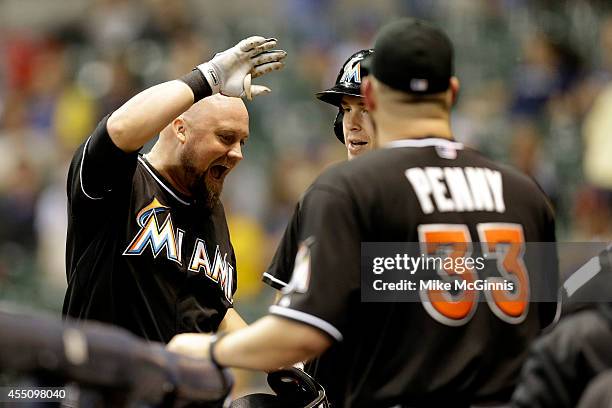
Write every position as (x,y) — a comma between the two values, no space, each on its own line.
(300,277)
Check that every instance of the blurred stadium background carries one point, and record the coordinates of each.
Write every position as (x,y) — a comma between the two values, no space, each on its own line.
(536,93)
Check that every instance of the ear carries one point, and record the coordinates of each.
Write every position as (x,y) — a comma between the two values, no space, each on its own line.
(178,126)
(454,88)
(367,90)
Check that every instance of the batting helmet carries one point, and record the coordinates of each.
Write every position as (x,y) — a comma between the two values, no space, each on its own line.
(348,82)
(294,389)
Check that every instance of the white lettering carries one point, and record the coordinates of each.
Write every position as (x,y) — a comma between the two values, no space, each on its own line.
(421,187)
(494,180)
(459,190)
(480,189)
(199,258)
(435,175)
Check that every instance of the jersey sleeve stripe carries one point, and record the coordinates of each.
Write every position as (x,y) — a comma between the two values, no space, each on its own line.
(81,172)
(582,275)
(272,281)
(308,319)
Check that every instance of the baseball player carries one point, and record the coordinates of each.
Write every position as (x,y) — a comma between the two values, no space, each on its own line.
(420,186)
(353,127)
(148,246)
(565,360)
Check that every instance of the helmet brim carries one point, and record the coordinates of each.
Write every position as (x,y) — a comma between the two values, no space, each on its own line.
(334,95)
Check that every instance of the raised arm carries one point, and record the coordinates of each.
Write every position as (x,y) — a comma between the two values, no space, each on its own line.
(229,73)
(147,113)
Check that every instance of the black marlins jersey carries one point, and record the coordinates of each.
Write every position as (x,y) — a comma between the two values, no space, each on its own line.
(139,254)
(430,191)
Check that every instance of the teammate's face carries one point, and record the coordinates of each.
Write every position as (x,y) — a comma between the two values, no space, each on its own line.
(213,146)
(357,126)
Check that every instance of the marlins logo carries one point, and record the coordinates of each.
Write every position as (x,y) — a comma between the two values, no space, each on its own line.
(166,236)
(352,73)
(154,236)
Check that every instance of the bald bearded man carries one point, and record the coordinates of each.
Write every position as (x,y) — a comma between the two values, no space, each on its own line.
(148,247)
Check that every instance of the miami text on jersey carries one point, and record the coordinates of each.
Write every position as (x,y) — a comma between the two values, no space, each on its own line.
(457,189)
(167,237)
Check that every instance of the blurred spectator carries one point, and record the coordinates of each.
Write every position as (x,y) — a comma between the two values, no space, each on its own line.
(592,216)
(527,155)
(112,24)
(597,135)
(543,73)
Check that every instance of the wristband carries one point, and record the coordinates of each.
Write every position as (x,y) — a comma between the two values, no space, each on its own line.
(211,349)
(198,84)
(211,76)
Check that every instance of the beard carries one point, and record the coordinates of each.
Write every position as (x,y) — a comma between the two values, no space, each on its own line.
(205,191)
(202,189)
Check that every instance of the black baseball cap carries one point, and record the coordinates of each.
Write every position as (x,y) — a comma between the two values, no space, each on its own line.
(412,56)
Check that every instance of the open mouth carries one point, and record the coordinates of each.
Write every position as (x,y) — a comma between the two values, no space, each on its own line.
(357,144)
(218,171)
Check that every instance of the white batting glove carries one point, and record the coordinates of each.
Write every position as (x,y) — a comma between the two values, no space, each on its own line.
(230,71)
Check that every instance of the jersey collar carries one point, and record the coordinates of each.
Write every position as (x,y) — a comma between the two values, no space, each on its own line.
(181,198)
(425,142)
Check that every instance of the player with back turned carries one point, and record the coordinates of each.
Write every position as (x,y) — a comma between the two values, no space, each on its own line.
(420,186)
